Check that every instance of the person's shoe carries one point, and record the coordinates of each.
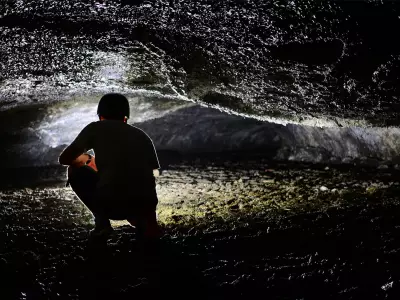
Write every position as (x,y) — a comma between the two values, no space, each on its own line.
(101,232)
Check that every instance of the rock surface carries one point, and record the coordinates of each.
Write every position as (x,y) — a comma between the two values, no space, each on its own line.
(231,229)
(303,61)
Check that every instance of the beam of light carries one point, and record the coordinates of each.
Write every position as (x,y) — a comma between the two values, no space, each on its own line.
(61,128)
(63,124)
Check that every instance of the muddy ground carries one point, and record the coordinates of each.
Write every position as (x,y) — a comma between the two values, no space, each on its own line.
(231,230)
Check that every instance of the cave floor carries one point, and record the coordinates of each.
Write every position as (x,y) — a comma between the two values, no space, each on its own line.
(231,230)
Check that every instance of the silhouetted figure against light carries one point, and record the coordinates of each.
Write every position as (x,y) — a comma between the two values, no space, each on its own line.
(118,183)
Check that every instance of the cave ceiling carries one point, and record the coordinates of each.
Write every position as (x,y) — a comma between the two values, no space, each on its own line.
(297,60)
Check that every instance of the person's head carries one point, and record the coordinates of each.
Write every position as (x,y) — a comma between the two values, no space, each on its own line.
(113,106)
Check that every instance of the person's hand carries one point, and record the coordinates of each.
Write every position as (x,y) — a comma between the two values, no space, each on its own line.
(80,160)
(92,163)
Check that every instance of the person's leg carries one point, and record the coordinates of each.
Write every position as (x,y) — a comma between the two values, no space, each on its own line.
(146,225)
(137,206)
(83,181)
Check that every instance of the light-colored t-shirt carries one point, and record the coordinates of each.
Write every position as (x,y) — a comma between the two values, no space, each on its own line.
(124,154)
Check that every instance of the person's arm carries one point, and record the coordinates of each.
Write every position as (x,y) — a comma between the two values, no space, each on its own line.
(154,160)
(74,154)
(69,158)
(152,156)
(154,163)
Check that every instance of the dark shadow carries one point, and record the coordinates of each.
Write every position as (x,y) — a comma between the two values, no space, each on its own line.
(311,53)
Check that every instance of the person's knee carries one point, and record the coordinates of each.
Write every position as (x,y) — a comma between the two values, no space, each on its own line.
(82,176)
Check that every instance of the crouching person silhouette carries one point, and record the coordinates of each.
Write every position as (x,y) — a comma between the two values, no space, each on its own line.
(118,183)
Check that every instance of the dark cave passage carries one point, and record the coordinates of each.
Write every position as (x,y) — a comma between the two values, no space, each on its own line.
(276,125)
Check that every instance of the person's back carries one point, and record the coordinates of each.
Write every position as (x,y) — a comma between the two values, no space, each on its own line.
(123,187)
(124,154)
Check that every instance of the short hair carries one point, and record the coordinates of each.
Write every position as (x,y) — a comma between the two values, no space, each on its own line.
(113,106)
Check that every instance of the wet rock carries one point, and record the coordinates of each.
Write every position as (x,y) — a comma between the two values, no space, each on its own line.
(230,201)
(323,189)
(242,205)
(383,167)
(234,207)
(301,203)
(28,191)
(268,181)
(3,263)
(387,286)
(176,218)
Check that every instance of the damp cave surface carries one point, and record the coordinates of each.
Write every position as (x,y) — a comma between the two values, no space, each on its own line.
(288,231)
(276,125)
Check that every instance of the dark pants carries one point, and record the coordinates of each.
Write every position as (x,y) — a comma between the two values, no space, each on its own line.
(113,202)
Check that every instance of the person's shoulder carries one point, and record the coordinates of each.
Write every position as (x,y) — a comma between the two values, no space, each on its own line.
(137,130)
(91,126)
(94,123)
(133,128)
(98,127)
